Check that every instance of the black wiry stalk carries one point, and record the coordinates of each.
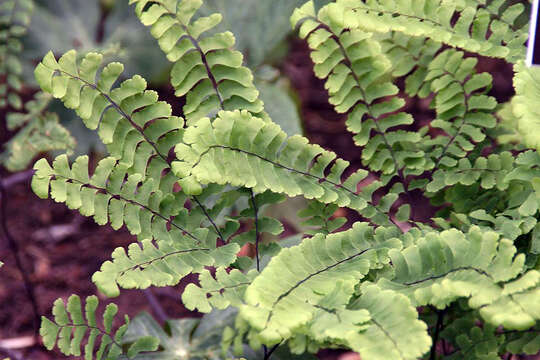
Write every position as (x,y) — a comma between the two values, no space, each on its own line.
(438,328)
(257,236)
(14,247)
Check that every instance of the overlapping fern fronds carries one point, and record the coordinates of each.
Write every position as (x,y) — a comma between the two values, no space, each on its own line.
(486,28)
(357,79)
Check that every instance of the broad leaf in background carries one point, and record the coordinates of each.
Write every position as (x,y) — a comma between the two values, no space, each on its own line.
(193,339)
(260,26)
(61,25)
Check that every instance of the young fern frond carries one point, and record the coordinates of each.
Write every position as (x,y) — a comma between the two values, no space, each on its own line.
(358,83)
(319,215)
(205,68)
(242,150)
(477,265)
(217,291)
(487,30)
(14,19)
(164,264)
(472,341)
(463,111)
(308,272)
(69,328)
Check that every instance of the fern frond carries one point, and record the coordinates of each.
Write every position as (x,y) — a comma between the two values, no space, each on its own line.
(307,273)
(476,265)
(319,216)
(357,79)
(527,342)
(14,19)
(242,150)
(41,134)
(69,328)
(217,291)
(490,172)
(464,112)
(206,69)
(488,30)
(109,198)
(410,57)
(138,129)
(472,341)
(527,87)
(164,264)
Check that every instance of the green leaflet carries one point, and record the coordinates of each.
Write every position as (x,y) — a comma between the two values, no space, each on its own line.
(242,150)
(219,291)
(14,19)
(205,69)
(527,86)
(69,328)
(138,129)
(358,83)
(164,264)
(480,28)
(307,273)
(472,341)
(443,267)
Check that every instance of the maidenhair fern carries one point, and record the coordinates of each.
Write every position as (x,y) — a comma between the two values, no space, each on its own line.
(461,282)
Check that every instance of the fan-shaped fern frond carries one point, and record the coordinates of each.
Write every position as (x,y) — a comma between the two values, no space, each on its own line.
(14,19)
(69,328)
(358,83)
(205,69)
(164,264)
(489,30)
(307,273)
(477,265)
(217,291)
(242,150)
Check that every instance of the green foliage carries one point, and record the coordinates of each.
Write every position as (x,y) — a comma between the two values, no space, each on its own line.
(69,328)
(483,27)
(205,69)
(14,19)
(462,282)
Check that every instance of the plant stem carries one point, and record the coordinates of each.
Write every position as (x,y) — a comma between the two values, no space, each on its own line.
(268,353)
(257,236)
(438,328)
(14,247)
